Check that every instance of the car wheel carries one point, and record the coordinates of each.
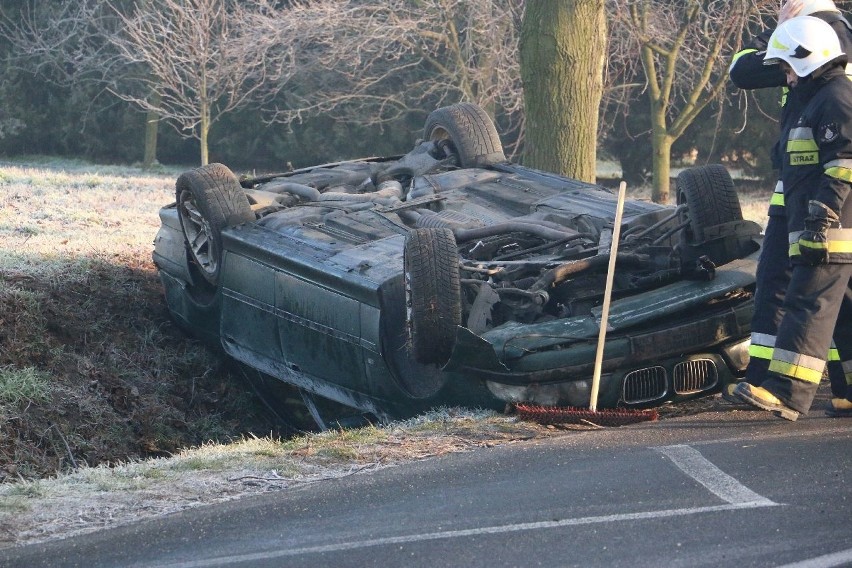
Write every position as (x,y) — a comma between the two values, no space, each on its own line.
(708,192)
(209,199)
(432,294)
(470,132)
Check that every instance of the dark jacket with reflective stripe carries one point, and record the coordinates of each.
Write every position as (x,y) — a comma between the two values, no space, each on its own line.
(818,159)
(747,71)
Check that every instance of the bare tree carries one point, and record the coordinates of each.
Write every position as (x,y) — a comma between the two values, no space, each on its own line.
(684,49)
(375,61)
(563,44)
(191,61)
(68,43)
(199,59)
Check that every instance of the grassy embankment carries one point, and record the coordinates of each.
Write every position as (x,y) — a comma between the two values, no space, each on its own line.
(91,369)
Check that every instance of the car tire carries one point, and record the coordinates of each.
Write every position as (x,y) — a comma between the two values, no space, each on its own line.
(432,293)
(470,131)
(209,199)
(709,194)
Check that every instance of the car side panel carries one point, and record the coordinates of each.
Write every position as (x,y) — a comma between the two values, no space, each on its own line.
(319,330)
(300,307)
(248,297)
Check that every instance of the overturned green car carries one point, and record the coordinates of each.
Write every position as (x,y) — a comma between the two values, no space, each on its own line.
(451,276)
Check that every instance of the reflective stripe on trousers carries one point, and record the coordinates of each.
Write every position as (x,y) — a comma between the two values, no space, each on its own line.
(818,304)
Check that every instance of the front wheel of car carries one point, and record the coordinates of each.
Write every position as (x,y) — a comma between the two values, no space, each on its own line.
(709,194)
(209,199)
(432,294)
(468,132)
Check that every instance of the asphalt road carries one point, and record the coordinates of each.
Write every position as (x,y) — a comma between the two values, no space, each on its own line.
(712,489)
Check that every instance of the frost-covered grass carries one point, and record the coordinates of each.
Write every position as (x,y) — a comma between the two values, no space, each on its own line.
(110,495)
(47,212)
(23,385)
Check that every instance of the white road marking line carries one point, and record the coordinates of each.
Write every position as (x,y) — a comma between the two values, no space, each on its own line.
(751,438)
(722,485)
(842,558)
(499,529)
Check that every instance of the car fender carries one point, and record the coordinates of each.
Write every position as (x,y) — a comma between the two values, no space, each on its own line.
(170,247)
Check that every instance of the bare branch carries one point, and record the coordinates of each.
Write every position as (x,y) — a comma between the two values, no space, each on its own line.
(372,61)
(64,43)
(683,48)
(199,59)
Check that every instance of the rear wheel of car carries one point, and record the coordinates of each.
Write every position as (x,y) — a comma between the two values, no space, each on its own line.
(432,293)
(470,133)
(708,192)
(209,199)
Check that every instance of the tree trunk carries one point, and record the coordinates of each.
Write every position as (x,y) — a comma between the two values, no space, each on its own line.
(661,138)
(661,160)
(152,123)
(562,50)
(204,129)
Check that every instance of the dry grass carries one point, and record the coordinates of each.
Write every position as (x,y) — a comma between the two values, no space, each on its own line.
(106,410)
(103,496)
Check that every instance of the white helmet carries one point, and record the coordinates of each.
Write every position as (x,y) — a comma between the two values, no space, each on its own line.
(805,43)
(811,6)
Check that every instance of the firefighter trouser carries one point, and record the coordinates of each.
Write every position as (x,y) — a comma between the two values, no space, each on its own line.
(818,304)
(773,275)
(772,279)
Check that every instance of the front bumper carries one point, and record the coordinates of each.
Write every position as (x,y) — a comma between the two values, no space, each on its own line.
(674,342)
(649,384)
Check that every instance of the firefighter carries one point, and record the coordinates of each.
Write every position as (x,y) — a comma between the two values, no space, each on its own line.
(816,174)
(748,71)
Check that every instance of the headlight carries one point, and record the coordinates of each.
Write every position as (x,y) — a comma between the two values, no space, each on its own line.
(736,354)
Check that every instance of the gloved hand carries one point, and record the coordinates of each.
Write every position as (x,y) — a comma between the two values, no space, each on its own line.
(813,242)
